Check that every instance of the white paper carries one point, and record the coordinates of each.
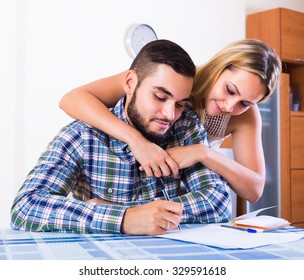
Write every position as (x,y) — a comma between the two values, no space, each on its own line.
(252,214)
(217,236)
(263,222)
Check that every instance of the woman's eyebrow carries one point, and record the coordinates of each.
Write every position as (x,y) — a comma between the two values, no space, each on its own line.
(237,90)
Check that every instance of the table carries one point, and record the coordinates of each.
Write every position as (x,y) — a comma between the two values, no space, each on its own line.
(21,245)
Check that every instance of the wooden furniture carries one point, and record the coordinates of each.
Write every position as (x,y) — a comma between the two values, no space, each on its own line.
(283,29)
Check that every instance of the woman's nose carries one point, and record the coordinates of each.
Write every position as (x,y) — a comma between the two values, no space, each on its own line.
(229,106)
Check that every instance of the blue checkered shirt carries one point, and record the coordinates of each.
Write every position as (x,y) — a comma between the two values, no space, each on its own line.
(88,163)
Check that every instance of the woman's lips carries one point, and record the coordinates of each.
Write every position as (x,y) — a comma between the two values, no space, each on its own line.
(219,108)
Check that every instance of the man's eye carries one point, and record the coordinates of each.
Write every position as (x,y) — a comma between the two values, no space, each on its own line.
(160,98)
(180,105)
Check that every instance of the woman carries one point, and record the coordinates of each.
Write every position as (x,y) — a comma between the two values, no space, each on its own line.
(225,95)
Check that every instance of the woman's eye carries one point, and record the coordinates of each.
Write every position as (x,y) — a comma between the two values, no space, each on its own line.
(231,92)
(245,104)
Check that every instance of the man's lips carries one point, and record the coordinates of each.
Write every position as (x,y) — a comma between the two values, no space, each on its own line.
(163,123)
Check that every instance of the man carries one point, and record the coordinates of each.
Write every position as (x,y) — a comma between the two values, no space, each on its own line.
(110,193)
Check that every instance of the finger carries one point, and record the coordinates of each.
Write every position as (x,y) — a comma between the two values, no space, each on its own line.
(165,224)
(168,225)
(173,167)
(170,222)
(165,169)
(174,207)
(173,218)
(173,221)
(148,170)
(157,172)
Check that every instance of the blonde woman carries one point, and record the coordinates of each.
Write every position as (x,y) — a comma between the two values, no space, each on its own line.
(225,95)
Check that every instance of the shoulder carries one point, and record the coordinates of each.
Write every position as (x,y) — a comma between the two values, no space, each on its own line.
(79,130)
(250,119)
(189,128)
(188,118)
(74,127)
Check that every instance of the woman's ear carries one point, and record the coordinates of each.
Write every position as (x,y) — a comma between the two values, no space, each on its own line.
(130,82)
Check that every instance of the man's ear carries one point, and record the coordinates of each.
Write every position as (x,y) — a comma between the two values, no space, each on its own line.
(130,82)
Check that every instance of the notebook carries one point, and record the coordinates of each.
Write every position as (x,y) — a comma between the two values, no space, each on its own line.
(262,222)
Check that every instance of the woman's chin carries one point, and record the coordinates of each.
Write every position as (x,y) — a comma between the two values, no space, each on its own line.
(212,113)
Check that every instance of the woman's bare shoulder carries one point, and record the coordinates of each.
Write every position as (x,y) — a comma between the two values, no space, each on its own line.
(250,119)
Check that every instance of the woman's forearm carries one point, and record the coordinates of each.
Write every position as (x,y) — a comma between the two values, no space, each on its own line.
(245,182)
(87,108)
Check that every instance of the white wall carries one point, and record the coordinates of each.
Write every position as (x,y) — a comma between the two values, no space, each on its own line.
(50,46)
(7,107)
(254,6)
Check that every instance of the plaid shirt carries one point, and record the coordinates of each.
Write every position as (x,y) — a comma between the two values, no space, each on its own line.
(91,164)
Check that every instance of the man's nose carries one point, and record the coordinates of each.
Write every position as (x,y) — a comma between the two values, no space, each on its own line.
(169,111)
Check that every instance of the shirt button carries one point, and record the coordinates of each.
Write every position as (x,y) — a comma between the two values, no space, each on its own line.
(110,190)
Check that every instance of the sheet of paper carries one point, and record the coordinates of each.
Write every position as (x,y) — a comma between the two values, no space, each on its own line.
(217,236)
(263,221)
(252,214)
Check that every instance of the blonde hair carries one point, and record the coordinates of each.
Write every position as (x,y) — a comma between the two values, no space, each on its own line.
(250,55)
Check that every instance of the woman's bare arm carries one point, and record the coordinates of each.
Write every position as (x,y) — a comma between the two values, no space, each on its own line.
(246,173)
(90,103)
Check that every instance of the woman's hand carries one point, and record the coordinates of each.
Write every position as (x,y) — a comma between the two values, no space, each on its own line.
(187,156)
(153,159)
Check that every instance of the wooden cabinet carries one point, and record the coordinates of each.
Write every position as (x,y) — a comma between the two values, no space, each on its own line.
(283,29)
(297,142)
(297,197)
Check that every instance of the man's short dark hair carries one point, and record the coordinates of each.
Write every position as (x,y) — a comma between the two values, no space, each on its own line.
(162,52)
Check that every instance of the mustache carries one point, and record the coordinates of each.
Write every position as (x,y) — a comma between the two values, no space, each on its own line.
(162,120)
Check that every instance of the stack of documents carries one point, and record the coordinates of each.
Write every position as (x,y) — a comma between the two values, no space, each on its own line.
(227,237)
(217,236)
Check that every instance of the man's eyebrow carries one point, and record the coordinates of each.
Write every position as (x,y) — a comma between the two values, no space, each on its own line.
(167,92)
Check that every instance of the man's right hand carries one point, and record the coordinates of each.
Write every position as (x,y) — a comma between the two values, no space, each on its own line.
(152,218)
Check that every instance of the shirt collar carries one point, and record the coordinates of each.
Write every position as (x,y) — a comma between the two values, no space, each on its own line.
(119,111)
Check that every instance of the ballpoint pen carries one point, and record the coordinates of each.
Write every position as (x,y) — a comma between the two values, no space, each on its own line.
(250,230)
(166,195)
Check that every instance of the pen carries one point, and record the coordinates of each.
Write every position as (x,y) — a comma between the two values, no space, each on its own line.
(250,230)
(166,195)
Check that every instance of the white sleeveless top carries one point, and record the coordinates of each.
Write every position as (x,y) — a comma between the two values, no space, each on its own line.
(216,128)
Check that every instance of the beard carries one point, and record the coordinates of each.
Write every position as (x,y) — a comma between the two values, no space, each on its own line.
(139,123)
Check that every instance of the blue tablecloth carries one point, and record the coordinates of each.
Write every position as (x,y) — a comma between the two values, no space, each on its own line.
(20,245)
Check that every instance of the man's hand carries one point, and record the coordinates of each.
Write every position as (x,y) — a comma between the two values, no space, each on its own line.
(152,218)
